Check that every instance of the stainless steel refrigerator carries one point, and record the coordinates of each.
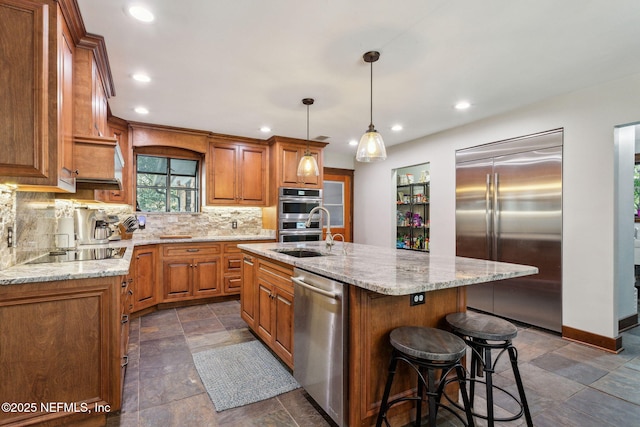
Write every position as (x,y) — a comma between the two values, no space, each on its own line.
(509,208)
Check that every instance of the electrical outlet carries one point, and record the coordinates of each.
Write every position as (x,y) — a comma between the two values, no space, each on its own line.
(417,299)
(10,236)
(234,224)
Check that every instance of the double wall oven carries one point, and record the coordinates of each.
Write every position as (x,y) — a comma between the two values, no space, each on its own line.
(294,205)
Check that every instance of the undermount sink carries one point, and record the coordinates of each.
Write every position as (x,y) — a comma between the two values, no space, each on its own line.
(300,252)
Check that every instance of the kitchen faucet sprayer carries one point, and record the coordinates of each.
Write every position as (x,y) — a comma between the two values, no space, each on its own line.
(329,237)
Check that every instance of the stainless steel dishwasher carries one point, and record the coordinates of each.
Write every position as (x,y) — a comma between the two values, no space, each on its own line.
(320,313)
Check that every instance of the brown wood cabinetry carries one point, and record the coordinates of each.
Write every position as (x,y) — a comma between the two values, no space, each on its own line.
(119,129)
(237,174)
(36,96)
(232,268)
(191,271)
(94,148)
(61,343)
(144,265)
(274,302)
(287,155)
(248,292)
(372,317)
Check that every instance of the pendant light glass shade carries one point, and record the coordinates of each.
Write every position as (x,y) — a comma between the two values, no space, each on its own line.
(371,146)
(308,165)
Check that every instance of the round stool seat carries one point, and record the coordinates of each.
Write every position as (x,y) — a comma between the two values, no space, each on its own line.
(481,326)
(428,343)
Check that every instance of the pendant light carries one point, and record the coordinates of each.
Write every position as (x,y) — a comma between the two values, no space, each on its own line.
(308,165)
(371,146)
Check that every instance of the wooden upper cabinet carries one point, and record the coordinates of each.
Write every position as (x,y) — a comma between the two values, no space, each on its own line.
(91,89)
(118,128)
(94,147)
(237,174)
(35,96)
(287,155)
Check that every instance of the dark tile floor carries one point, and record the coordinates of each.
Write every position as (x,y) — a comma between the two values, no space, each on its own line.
(567,384)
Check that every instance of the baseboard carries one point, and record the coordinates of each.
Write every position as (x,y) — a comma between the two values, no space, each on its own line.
(628,322)
(613,345)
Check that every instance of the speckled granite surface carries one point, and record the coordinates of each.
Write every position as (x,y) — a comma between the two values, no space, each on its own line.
(390,271)
(28,273)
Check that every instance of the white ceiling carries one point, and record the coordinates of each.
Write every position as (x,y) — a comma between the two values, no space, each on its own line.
(232,66)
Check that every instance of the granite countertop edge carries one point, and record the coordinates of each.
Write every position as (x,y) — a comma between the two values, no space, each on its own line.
(49,272)
(389,271)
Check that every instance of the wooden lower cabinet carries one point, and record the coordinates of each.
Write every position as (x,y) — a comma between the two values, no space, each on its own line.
(273,293)
(248,292)
(60,344)
(144,269)
(201,270)
(191,270)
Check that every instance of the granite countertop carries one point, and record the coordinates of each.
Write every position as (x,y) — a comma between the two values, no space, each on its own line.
(29,273)
(390,271)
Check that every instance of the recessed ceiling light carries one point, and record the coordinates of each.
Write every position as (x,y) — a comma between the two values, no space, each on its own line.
(396,128)
(141,110)
(462,105)
(265,129)
(141,77)
(353,142)
(141,13)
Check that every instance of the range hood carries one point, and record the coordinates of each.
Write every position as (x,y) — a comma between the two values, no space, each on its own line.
(99,162)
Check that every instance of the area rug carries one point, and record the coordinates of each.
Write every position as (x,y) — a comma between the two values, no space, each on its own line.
(240,374)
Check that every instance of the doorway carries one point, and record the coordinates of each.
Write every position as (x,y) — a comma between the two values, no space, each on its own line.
(338,199)
(627,147)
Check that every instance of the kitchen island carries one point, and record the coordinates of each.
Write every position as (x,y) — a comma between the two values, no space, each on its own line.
(381,284)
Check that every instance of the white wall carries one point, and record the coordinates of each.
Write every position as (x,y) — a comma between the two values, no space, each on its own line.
(588,118)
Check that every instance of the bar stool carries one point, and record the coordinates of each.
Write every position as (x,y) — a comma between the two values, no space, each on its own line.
(484,333)
(426,350)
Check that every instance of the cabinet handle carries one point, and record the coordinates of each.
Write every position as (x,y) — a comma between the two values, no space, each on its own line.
(130,292)
(124,284)
(193,250)
(125,319)
(130,280)
(77,172)
(125,362)
(248,260)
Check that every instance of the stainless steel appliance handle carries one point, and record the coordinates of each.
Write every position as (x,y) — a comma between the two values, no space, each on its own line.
(487,215)
(298,281)
(496,213)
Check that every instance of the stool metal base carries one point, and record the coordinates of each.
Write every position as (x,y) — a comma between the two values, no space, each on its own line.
(428,387)
(482,364)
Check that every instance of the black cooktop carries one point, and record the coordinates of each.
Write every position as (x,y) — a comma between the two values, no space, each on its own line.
(80,255)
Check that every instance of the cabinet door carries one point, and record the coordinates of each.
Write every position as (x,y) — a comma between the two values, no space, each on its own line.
(177,278)
(222,174)
(289,158)
(283,325)
(99,103)
(24,96)
(265,311)
(248,292)
(252,188)
(66,50)
(144,284)
(206,277)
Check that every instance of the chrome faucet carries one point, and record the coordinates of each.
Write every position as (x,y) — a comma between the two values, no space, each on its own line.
(329,238)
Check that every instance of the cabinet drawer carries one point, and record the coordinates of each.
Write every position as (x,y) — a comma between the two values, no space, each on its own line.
(231,248)
(182,250)
(233,263)
(276,274)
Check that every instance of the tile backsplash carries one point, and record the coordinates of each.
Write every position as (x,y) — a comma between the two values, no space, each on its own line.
(33,218)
